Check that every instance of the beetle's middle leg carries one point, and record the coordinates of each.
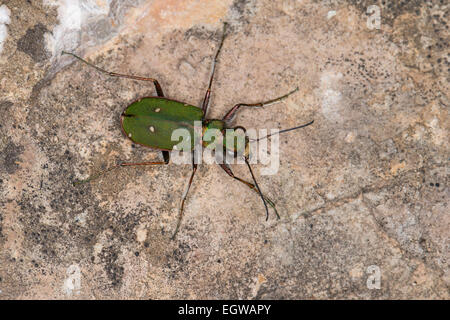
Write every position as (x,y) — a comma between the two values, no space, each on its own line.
(119,75)
(183,198)
(229,116)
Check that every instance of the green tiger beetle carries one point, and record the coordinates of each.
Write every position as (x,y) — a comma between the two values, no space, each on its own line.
(150,122)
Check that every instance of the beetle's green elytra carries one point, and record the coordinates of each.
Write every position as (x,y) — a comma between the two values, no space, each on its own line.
(150,122)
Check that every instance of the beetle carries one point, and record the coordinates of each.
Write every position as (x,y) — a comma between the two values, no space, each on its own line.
(150,122)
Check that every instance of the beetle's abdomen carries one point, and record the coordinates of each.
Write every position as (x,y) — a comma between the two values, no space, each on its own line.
(151,121)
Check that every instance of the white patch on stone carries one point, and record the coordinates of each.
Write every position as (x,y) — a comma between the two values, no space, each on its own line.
(350,138)
(4,20)
(157,109)
(98,248)
(331,97)
(331,14)
(152,128)
(81,218)
(141,233)
(72,284)
(74,17)
(186,69)
(66,35)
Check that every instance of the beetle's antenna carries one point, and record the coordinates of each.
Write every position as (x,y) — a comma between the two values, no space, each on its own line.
(284,130)
(84,61)
(257,187)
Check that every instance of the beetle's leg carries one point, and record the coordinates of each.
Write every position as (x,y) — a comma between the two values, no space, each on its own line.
(125,164)
(228,170)
(136,164)
(232,112)
(208,92)
(166,156)
(119,75)
(183,198)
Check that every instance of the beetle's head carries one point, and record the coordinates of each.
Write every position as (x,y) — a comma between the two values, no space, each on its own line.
(236,142)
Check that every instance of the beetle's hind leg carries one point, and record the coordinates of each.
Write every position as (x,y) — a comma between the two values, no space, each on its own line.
(119,75)
(232,112)
(166,156)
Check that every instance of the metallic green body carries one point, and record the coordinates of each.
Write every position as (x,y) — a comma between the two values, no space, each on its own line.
(150,121)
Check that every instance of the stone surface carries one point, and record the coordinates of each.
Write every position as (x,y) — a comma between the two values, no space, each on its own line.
(365,188)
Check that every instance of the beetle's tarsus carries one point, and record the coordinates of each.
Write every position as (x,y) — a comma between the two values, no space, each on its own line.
(270,202)
(178,223)
(225,25)
(173,237)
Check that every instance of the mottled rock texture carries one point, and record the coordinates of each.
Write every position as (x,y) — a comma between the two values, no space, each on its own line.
(366,185)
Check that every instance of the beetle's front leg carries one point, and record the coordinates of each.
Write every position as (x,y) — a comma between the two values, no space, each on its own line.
(205,103)
(228,170)
(232,112)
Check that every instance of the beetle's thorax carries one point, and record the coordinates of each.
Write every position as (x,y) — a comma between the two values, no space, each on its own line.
(214,134)
(211,128)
